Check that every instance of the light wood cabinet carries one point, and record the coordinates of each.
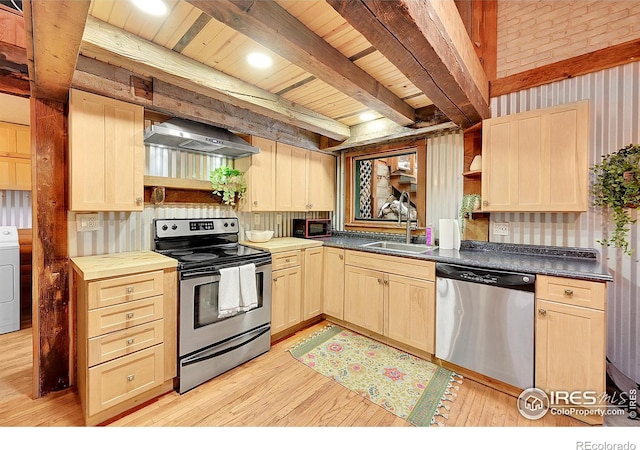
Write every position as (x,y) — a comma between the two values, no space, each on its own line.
(106,154)
(286,294)
(284,177)
(260,174)
(312,291)
(411,312)
(15,157)
(364,298)
(391,296)
(536,160)
(333,275)
(570,339)
(127,335)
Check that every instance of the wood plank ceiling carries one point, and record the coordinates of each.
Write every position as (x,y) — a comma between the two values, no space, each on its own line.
(324,75)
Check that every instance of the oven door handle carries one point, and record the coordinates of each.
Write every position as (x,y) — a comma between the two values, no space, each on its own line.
(200,357)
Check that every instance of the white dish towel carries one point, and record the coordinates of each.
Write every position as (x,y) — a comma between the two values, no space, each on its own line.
(229,292)
(248,291)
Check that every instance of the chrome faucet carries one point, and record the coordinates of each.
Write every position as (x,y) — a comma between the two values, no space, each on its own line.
(405,194)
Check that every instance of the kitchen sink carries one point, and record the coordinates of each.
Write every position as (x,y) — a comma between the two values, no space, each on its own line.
(400,247)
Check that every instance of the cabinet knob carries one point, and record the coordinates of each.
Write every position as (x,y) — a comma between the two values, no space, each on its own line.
(379,280)
(568,292)
(131,377)
(485,203)
(543,312)
(286,260)
(130,341)
(275,279)
(130,315)
(341,256)
(310,205)
(255,203)
(386,281)
(129,289)
(138,201)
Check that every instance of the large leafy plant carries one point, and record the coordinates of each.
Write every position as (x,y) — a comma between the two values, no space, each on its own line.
(229,184)
(617,188)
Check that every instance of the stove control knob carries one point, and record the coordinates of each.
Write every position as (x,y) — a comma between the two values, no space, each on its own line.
(233,224)
(226,224)
(165,228)
(174,227)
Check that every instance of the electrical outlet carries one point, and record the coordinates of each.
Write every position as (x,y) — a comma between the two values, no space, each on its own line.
(278,219)
(88,222)
(256,219)
(501,229)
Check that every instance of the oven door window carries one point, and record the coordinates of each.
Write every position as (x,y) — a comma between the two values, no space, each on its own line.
(206,300)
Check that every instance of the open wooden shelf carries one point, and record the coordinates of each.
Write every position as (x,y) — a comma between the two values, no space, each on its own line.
(177,183)
(472,174)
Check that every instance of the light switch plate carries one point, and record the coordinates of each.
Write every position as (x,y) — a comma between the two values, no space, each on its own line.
(88,222)
(256,219)
(501,229)
(278,219)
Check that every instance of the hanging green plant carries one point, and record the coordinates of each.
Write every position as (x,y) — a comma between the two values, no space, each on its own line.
(229,184)
(617,189)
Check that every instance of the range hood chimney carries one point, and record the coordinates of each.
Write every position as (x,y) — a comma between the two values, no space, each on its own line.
(184,134)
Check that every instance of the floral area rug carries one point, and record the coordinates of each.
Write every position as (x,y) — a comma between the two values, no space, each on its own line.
(409,387)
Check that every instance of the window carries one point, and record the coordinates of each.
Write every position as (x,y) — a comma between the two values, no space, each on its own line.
(376,178)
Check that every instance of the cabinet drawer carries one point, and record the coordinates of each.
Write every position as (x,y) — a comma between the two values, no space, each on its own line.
(119,317)
(124,289)
(589,294)
(121,343)
(284,260)
(119,380)
(397,265)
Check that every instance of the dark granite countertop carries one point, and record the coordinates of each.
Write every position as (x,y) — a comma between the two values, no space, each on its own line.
(570,262)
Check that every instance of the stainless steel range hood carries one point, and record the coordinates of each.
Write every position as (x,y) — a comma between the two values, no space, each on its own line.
(193,136)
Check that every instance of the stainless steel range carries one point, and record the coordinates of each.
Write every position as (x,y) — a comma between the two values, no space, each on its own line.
(224,296)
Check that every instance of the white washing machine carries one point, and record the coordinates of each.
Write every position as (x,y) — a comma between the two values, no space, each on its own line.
(9,280)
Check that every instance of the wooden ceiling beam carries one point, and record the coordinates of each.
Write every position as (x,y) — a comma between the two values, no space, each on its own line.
(428,43)
(273,27)
(112,45)
(53,50)
(172,101)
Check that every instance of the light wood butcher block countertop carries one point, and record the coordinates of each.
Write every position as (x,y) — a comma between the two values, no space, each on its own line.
(116,264)
(283,244)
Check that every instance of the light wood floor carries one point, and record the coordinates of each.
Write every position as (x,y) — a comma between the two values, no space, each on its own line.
(271,390)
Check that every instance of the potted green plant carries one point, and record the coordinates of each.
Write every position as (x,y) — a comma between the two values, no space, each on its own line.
(470,203)
(617,188)
(228,183)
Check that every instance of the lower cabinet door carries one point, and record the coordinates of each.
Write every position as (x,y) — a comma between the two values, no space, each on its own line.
(411,312)
(570,351)
(286,301)
(364,298)
(119,380)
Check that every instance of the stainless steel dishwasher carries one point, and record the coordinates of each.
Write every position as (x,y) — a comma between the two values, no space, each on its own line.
(485,322)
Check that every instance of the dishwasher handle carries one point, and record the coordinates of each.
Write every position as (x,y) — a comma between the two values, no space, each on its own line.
(491,277)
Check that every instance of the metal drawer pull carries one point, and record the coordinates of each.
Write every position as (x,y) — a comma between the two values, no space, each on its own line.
(129,289)
(130,315)
(568,292)
(543,312)
(131,377)
(130,341)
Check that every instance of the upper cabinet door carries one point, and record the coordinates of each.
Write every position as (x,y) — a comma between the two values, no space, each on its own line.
(321,181)
(536,161)
(106,154)
(260,174)
(291,178)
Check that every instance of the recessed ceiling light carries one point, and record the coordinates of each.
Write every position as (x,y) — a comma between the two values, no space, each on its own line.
(153,7)
(366,116)
(259,60)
